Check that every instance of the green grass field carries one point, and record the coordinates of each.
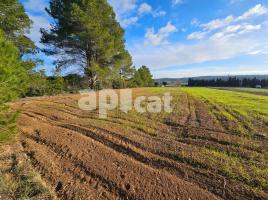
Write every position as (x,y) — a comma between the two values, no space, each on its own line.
(244,118)
(243,103)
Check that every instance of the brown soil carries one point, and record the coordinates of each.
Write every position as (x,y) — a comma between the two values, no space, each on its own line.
(84,157)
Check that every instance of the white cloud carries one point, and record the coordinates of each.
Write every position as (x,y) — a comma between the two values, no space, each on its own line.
(234,30)
(253,12)
(260,51)
(175,54)
(123,6)
(128,12)
(249,27)
(123,10)
(257,10)
(197,35)
(210,71)
(35,5)
(152,38)
(195,22)
(229,26)
(218,23)
(235,1)
(159,13)
(40,18)
(169,28)
(129,21)
(144,8)
(160,37)
(176,2)
(38,23)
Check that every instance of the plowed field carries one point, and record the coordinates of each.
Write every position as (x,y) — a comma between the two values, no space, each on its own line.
(207,148)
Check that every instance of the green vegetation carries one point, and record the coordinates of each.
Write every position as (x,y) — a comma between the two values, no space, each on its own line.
(217,138)
(86,34)
(234,146)
(13,82)
(242,103)
(22,184)
(241,113)
(142,78)
(15,66)
(92,39)
(15,23)
(249,90)
(15,70)
(42,85)
(230,82)
(246,116)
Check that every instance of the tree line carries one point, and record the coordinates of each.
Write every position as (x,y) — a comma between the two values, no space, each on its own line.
(41,84)
(230,82)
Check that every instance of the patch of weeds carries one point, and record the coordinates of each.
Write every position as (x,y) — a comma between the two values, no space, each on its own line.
(7,135)
(191,158)
(262,176)
(7,125)
(19,184)
(234,168)
(231,166)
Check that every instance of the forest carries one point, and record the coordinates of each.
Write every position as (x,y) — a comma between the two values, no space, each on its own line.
(230,82)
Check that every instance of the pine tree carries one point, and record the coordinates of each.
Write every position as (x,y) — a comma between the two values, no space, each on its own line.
(86,34)
(15,23)
(142,78)
(146,76)
(13,83)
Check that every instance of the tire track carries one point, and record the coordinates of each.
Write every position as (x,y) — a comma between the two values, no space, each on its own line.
(139,149)
(105,183)
(198,177)
(56,148)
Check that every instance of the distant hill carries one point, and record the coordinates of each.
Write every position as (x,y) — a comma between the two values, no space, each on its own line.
(185,80)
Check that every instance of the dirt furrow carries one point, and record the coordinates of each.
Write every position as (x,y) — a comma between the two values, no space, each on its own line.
(132,157)
(143,175)
(74,168)
(196,176)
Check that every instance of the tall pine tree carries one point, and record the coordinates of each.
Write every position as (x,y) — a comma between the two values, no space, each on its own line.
(86,34)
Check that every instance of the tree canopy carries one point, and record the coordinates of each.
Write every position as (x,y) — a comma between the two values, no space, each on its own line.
(13,76)
(142,78)
(86,34)
(14,69)
(15,23)
(230,82)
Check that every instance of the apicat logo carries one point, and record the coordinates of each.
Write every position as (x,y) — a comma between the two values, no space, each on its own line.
(108,100)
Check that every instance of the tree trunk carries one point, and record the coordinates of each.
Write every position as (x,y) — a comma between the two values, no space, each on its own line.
(92,80)
(92,76)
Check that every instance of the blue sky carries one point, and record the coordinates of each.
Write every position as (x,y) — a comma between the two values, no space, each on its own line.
(182,38)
